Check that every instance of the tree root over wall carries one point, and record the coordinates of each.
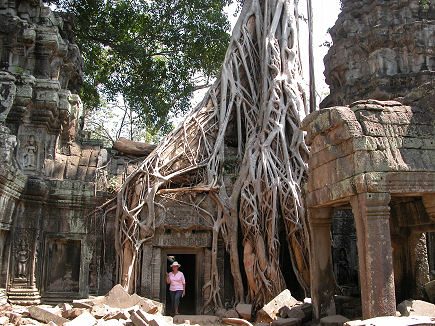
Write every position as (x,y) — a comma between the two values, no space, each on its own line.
(259,97)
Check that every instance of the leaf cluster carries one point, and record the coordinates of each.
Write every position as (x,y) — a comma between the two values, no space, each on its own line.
(148,52)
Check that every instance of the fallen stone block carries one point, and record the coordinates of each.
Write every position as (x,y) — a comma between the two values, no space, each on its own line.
(85,319)
(307,308)
(153,320)
(244,310)
(429,287)
(393,321)
(45,316)
(119,298)
(335,320)
(283,311)
(269,312)
(416,308)
(145,304)
(99,310)
(84,303)
(296,312)
(137,320)
(117,315)
(287,322)
(65,307)
(14,318)
(72,313)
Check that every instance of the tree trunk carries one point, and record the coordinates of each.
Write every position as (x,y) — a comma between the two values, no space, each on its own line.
(260,96)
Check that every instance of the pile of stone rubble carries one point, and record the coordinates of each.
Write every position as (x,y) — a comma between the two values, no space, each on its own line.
(120,308)
(115,308)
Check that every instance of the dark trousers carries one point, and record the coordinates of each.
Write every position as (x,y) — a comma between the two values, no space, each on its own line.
(175,298)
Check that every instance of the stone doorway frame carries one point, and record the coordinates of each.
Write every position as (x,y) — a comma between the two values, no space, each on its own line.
(84,267)
(199,258)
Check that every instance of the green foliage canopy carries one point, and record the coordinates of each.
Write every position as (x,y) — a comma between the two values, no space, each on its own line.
(148,52)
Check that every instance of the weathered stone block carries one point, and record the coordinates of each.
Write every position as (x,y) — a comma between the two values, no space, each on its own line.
(364,143)
(84,159)
(339,134)
(244,310)
(46,316)
(269,312)
(412,142)
(416,308)
(71,167)
(373,129)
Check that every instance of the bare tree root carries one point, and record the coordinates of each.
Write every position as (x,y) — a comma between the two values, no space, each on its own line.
(260,97)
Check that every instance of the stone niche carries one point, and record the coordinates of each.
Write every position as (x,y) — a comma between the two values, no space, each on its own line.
(63,266)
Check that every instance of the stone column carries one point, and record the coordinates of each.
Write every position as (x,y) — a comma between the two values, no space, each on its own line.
(419,264)
(372,212)
(322,276)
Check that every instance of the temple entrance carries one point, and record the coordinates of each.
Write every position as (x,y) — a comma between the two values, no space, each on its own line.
(188,261)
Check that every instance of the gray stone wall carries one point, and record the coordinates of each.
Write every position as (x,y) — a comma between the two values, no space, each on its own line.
(381,50)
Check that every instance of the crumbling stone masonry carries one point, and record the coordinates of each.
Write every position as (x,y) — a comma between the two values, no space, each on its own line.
(382,156)
(47,176)
(381,49)
(52,177)
(375,157)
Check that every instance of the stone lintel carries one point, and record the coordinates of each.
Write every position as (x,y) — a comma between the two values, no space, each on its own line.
(396,183)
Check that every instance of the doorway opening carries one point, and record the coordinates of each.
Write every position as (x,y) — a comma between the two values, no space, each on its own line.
(189,268)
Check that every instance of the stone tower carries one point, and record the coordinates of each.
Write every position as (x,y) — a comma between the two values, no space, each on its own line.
(381,50)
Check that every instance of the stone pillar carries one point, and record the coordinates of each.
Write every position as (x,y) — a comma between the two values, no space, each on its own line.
(322,276)
(419,264)
(372,212)
(157,273)
(146,273)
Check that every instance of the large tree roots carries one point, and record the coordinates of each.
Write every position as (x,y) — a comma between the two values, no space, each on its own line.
(256,107)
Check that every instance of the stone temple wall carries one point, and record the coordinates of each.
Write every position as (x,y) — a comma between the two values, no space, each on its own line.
(381,50)
(384,50)
(53,247)
(51,178)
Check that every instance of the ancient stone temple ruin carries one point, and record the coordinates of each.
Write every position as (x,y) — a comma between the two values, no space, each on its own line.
(374,158)
(53,246)
(367,178)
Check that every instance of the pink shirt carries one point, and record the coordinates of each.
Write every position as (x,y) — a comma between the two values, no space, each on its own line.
(177,281)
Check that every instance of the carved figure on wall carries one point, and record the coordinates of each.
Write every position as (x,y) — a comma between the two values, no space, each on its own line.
(29,156)
(22,257)
(343,268)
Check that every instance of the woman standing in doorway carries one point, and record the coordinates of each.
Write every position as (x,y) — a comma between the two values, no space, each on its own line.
(177,286)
